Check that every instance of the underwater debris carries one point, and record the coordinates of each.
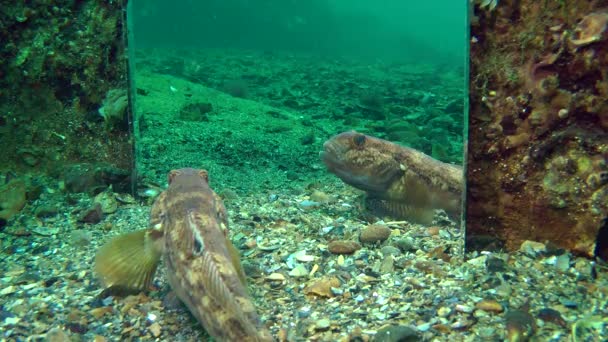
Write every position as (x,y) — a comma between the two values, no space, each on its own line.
(593,28)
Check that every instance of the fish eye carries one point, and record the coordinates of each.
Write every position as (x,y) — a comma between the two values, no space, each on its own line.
(359,140)
(172,175)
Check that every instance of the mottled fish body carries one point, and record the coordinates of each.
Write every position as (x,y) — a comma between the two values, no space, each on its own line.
(399,181)
(189,230)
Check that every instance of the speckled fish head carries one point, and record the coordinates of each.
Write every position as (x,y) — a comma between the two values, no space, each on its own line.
(361,161)
(197,213)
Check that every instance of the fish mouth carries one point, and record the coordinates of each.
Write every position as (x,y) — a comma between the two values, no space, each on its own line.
(351,174)
(330,154)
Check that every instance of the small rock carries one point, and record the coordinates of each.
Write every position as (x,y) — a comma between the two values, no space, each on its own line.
(584,267)
(405,245)
(495,264)
(320,197)
(92,215)
(390,250)
(568,303)
(309,205)
(432,231)
(100,312)
(57,335)
(304,312)
(322,287)
(81,238)
(387,265)
(322,324)
(397,333)
(303,257)
(519,324)
(108,202)
(343,247)
(45,211)
(155,329)
(443,311)
(464,308)
(45,231)
(553,316)
(8,290)
(275,277)
(562,262)
(374,233)
(340,260)
(532,248)
(489,305)
(299,271)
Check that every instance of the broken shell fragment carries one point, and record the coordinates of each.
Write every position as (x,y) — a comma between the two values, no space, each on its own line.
(591,29)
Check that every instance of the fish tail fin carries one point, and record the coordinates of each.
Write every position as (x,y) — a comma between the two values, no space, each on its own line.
(129,260)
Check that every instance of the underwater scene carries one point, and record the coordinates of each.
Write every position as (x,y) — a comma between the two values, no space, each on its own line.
(290,170)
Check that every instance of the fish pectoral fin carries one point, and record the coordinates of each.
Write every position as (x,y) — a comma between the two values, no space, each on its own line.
(235,258)
(129,260)
(414,214)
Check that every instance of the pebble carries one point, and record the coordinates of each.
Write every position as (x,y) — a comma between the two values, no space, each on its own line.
(405,245)
(568,303)
(11,320)
(107,201)
(562,262)
(155,329)
(374,233)
(304,312)
(299,271)
(322,324)
(387,265)
(343,247)
(45,231)
(584,267)
(275,277)
(532,248)
(303,257)
(495,264)
(390,250)
(8,290)
(92,214)
(336,291)
(394,333)
(489,305)
(443,311)
(320,197)
(309,205)
(340,260)
(553,316)
(57,335)
(44,211)
(432,231)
